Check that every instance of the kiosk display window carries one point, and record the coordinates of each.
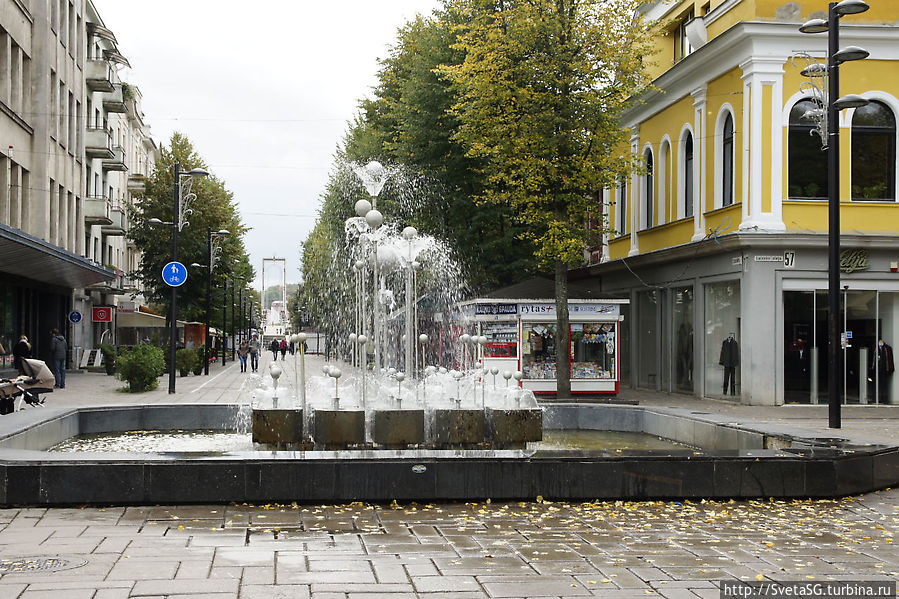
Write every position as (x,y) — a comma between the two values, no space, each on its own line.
(538,350)
(594,350)
(502,339)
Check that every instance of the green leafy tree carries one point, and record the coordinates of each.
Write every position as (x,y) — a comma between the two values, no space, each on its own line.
(409,122)
(214,208)
(539,96)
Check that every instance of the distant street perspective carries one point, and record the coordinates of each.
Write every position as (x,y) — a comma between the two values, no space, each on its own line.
(528,299)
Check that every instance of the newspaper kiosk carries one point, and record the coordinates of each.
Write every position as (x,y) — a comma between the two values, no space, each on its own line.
(521,336)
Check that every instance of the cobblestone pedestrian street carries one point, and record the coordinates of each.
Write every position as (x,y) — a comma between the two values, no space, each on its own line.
(676,550)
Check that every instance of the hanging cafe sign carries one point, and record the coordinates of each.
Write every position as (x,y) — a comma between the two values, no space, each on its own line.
(854,260)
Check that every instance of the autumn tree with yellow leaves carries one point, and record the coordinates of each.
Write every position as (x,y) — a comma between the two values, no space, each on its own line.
(539,96)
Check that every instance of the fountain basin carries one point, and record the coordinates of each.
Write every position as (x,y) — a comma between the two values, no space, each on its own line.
(339,429)
(277,426)
(738,459)
(459,428)
(398,429)
(514,429)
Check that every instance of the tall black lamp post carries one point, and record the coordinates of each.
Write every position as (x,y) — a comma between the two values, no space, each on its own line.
(213,249)
(224,322)
(831,138)
(180,213)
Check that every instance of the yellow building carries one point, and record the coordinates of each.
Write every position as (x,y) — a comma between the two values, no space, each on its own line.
(721,239)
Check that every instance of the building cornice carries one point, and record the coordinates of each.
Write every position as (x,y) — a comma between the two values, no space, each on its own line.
(735,242)
(743,43)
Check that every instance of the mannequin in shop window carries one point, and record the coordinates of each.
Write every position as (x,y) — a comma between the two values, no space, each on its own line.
(885,368)
(730,359)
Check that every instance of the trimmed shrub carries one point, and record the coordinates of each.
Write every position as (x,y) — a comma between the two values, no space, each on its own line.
(109,357)
(185,360)
(141,367)
(201,356)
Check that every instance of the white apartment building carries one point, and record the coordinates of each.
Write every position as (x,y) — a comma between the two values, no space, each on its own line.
(73,150)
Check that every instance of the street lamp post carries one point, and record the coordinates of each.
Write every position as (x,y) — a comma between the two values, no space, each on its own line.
(224,322)
(181,211)
(830,134)
(213,248)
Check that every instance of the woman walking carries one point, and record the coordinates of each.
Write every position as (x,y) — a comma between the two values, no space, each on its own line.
(243,350)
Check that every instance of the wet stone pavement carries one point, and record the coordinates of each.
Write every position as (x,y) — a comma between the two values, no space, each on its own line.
(676,550)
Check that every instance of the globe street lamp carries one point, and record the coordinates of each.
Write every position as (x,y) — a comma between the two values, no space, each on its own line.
(829,129)
(180,213)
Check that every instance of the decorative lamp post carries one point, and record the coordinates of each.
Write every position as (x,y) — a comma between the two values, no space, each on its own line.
(362,340)
(180,212)
(299,339)
(828,127)
(213,251)
(409,234)
(224,323)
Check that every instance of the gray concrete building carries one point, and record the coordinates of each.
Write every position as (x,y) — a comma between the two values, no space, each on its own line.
(64,178)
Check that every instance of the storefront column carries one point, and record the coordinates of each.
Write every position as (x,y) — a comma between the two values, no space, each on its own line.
(699,166)
(762,146)
(761,335)
(635,196)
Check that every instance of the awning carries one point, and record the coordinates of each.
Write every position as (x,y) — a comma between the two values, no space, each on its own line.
(102,32)
(28,257)
(116,56)
(143,320)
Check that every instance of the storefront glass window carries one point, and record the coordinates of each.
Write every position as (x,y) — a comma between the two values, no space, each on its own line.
(722,340)
(682,311)
(860,317)
(887,382)
(594,350)
(8,335)
(538,350)
(648,338)
(502,339)
(799,345)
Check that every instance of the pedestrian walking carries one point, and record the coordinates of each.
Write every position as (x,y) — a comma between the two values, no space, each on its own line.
(20,351)
(283,349)
(255,348)
(274,347)
(290,348)
(243,350)
(59,350)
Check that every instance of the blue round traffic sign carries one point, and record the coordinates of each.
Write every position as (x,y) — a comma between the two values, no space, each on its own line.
(174,274)
(74,316)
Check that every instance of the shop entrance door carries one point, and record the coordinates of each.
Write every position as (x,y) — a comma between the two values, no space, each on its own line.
(860,319)
(806,342)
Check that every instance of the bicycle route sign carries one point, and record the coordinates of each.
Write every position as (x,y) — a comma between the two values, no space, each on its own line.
(174,274)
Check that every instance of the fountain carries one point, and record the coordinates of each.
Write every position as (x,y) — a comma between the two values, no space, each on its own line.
(373,409)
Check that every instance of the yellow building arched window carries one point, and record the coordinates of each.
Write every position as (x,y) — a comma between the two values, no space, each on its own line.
(648,189)
(727,161)
(874,153)
(807,163)
(687,175)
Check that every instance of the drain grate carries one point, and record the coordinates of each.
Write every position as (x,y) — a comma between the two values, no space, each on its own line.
(39,564)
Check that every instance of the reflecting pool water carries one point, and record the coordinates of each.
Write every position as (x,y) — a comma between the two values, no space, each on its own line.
(205,441)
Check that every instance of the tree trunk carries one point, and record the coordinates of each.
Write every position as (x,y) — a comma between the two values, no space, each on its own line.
(563,342)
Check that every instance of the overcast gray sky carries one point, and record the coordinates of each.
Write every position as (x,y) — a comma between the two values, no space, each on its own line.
(264,90)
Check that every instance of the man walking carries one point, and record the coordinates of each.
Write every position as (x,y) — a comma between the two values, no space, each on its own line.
(58,351)
(254,353)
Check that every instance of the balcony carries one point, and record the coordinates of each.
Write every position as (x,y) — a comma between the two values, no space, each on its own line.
(98,143)
(119,223)
(114,101)
(117,162)
(97,211)
(98,76)
(137,183)
(130,283)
